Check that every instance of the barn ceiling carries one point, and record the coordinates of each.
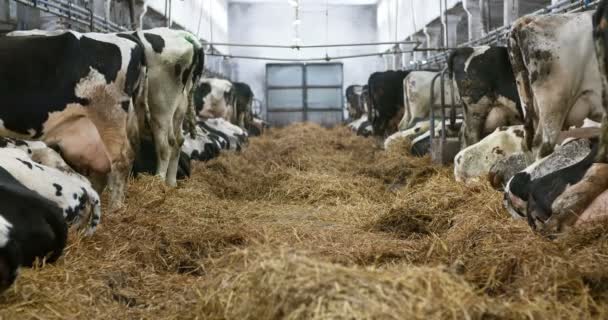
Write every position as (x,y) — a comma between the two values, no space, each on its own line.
(314,2)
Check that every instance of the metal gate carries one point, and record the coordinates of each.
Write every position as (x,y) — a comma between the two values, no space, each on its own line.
(297,92)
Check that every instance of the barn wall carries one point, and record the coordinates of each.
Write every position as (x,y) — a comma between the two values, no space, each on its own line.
(272,23)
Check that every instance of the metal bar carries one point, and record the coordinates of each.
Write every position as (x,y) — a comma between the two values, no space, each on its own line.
(432,124)
(326,58)
(298,47)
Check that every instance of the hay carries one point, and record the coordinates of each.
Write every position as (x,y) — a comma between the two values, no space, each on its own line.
(314,223)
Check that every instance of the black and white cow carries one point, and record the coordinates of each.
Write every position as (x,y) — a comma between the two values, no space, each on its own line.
(520,186)
(146,160)
(77,94)
(386,106)
(556,69)
(175,61)
(487,89)
(52,178)
(31,227)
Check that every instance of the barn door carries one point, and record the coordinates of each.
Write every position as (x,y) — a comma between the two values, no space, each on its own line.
(299,92)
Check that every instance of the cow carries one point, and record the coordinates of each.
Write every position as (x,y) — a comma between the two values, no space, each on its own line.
(476,160)
(235,137)
(487,89)
(600,40)
(555,200)
(519,187)
(354,101)
(243,100)
(417,97)
(175,63)
(76,94)
(557,75)
(386,107)
(211,98)
(31,227)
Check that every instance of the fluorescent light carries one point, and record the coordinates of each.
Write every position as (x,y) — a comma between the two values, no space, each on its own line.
(297,22)
(423,61)
(294,3)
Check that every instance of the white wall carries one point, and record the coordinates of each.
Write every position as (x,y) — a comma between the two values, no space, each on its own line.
(408,22)
(272,23)
(194,16)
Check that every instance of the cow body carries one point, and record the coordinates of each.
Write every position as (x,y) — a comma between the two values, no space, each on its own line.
(417,97)
(175,62)
(487,89)
(557,75)
(75,94)
(476,160)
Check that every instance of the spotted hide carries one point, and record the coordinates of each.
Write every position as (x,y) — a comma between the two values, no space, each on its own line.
(487,89)
(557,75)
(77,94)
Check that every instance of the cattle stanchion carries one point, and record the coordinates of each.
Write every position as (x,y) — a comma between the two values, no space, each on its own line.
(443,147)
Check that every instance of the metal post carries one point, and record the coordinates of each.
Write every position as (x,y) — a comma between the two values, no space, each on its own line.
(433,105)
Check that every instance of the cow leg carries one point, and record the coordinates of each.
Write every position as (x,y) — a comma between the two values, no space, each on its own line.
(550,121)
(178,138)
(161,133)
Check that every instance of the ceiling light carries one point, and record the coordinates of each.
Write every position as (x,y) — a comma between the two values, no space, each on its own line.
(297,22)
(294,3)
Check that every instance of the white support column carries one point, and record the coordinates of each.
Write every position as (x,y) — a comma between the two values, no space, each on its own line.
(511,11)
(450,34)
(473,10)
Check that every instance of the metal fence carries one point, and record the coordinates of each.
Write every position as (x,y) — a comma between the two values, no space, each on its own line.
(74,13)
(498,37)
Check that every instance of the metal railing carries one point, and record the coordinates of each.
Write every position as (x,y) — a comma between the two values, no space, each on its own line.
(85,17)
(498,36)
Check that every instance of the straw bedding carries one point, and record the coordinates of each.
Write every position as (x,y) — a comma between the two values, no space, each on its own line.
(310,223)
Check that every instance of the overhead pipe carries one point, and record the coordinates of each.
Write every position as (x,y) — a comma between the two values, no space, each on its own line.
(298,47)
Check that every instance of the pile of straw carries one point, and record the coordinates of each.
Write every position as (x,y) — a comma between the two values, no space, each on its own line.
(311,223)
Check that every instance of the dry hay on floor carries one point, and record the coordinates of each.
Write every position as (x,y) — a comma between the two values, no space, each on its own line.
(314,223)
